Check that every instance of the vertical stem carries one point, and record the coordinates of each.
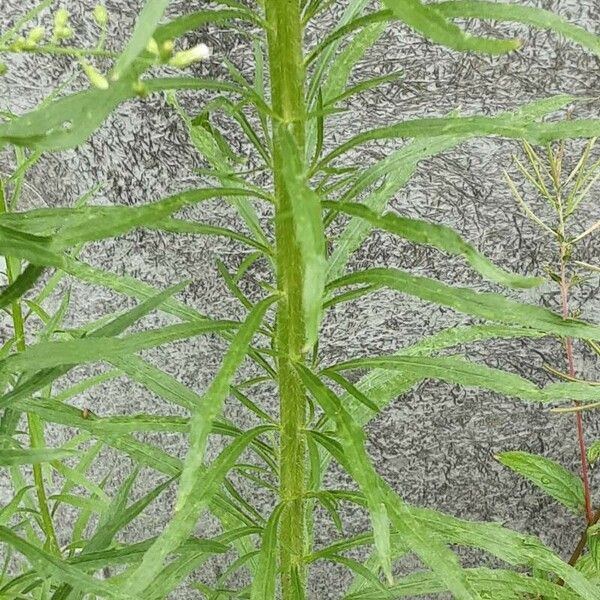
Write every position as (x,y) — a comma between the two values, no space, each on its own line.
(585,477)
(34,424)
(287,95)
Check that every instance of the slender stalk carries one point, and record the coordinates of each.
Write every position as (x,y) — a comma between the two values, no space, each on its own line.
(34,424)
(585,477)
(286,67)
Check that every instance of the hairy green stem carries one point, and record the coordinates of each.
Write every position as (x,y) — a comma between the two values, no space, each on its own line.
(287,88)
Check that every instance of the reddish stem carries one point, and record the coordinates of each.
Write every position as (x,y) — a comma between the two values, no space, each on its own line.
(585,477)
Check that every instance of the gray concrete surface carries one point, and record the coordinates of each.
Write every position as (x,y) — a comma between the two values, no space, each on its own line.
(436,444)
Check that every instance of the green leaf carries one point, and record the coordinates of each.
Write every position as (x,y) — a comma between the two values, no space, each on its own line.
(76,352)
(549,476)
(190,227)
(346,29)
(425,19)
(34,248)
(59,569)
(309,236)
(145,25)
(265,579)
(509,546)
(498,584)
(189,503)
(439,236)
(397,168)
(191,22)
(515,13)
(468,374)
(114,327)
(32,456)
(66,227)
(67,122)
(333,68)
(516,125)
(214,398)
(353,457)
(9,509)
(485,305)
(22,284)
(184,519)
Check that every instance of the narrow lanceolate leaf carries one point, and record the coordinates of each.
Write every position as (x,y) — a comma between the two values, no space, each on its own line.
(67,122)
(70,120)
(190,503)
(66,227)
(309,234)
(24,282)
(479,304)
(265,578)
(498,584)
(34,248)
(439,236)
(54,354)
(43,377)
(509,546)
(468,374)
(353,457)
(515,13)
(204,416)
(31,456)
(191,22)
(508,125)
(145,25)
(60,570)
(396,169)
(431,24)
(549,476)
(184,519)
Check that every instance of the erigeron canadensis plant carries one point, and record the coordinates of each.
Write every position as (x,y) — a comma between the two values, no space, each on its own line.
(322,412)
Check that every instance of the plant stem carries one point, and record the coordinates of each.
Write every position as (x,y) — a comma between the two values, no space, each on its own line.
(34,424)
(564,294)
(286,67)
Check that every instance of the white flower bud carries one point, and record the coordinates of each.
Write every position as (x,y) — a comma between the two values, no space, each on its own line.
(185,58)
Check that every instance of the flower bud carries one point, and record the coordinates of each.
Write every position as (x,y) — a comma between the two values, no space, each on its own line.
(101,15)
(166,50)
(62,30)
(96,78)
(3,69)
(140,88)
(36,35)
(185,58)
(61,18)
(152,47)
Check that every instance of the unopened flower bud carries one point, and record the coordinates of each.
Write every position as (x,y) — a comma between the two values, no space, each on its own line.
(185,58)
(36,35)
(101,15)
(62,30)
(140,89)
(61,18)
(96,78)
(166,50)
(152,47)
